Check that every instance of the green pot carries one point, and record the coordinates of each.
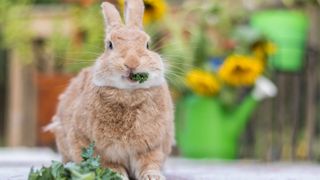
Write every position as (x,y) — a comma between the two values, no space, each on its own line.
(288,30)
(205,129)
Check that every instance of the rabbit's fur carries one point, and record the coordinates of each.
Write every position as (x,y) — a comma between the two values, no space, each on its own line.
(130,123)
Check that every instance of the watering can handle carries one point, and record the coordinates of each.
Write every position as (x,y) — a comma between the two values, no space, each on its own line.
(264,88)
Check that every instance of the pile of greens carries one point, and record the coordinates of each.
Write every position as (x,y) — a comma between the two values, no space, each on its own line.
(140,77)
(88,169)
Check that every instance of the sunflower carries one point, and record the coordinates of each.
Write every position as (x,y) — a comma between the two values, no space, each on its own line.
(239,70)
(202,83)
(262,50)
(154,10)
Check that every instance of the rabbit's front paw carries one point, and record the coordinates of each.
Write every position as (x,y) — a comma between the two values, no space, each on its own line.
(152,175)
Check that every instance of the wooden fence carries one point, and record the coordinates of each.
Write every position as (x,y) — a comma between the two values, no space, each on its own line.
(287,127)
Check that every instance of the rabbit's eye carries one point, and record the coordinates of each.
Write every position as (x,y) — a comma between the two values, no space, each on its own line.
(148,47)
(109,45)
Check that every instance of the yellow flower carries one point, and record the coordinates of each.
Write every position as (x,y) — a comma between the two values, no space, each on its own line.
(202,83)
(239,70)
(154,10)
(270,48)
(264,49)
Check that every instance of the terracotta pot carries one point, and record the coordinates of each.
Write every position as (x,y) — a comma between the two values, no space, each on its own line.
(49,87)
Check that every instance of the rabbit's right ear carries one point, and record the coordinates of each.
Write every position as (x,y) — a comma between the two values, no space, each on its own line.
(133,13)
(111,16)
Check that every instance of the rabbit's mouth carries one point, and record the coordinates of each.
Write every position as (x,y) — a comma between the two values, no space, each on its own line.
(128,79)
(136,77)
(139,77)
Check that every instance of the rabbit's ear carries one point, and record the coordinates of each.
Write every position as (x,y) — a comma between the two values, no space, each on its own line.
(111,15)
(133,13)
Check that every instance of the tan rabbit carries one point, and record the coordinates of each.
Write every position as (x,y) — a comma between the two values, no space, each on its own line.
(130,122)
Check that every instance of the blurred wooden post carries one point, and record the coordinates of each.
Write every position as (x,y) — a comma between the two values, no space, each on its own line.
(295,114)
(3,97)
(310,104)
(279,117)
(311,77)
(21,113)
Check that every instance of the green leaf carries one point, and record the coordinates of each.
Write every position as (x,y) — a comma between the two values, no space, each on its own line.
(33,175)
(88,169)
(57,170)
(140,77)
(87,153)
(43,174)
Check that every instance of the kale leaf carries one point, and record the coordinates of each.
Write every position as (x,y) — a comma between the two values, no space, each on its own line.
(140,77)
(88,169)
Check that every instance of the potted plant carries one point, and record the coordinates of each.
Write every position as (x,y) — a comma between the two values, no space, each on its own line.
(223,66)
(210,126)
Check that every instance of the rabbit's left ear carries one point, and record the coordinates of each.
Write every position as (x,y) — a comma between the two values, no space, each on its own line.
(133,13)
(111,16)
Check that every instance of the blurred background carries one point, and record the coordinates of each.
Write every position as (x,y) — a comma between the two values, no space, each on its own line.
(221,56)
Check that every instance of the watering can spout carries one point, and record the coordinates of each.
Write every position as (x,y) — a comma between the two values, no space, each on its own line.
(264,88)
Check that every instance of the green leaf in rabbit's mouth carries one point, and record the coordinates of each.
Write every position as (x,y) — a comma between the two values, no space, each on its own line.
(140,77)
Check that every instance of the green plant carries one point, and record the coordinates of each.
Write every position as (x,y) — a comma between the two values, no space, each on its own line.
(140,77)
(14,27)
(70,52)
(89,23)
(198,32)
(89,169)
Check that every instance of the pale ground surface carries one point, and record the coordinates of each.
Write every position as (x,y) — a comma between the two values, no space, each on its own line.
(15,165)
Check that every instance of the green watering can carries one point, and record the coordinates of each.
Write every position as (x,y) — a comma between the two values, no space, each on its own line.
(205,129)
(288,30)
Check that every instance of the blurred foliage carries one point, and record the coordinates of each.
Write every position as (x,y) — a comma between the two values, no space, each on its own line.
(81,50)
(46,1)
(283,3)
(71,52)
(202,34)
(13,22)
(299,2)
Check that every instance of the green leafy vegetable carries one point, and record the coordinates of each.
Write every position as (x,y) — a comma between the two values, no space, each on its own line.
(89,169)
(141,77)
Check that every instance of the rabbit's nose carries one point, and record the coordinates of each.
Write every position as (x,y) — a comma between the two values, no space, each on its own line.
(132,63)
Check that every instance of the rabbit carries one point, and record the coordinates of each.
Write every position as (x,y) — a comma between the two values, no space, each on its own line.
(130,122)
